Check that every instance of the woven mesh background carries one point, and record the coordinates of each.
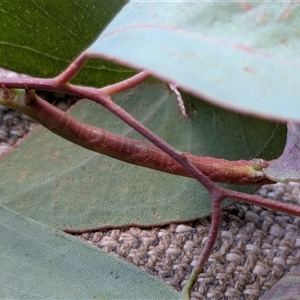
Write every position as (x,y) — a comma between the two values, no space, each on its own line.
(255,248)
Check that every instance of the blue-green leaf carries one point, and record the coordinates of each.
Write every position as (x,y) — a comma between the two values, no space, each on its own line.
(240,56)
(38,262)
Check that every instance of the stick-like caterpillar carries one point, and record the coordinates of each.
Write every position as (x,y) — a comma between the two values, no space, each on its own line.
(128,150)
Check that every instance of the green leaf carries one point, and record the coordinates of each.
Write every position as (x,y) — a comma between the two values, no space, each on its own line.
(242,56)
(286,167)
(41,38)
(38,262)
(51,180)
(287,288)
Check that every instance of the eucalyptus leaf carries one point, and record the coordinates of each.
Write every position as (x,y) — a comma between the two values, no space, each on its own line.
(63,185)
(287,167)
(38,262)
(41,38)
(239,55)
(287,288)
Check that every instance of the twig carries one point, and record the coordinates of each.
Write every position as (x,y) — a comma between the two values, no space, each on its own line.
(212,237)
(125,84)
(72,70)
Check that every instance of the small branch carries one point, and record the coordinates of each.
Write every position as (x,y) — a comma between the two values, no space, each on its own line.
(125,85)
(211,240)
(44,84)
(72,70)
(264,202)
(217,197)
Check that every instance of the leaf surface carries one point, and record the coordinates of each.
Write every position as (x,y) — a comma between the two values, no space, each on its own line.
(41,38)
(38,262)
(56,182)
(242,56)
(287,288)
(286,167)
